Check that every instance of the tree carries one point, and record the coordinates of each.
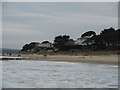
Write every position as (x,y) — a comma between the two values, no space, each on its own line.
(45,42)
(87,36)
(108,36)
(25,47)
(60,41)
(30,46)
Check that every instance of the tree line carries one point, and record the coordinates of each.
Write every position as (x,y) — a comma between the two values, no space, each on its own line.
(107,39)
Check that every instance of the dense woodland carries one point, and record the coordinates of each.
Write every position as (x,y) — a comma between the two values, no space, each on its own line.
(107,39)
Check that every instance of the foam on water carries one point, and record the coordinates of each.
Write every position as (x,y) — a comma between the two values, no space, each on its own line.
(12,57)
(49,74)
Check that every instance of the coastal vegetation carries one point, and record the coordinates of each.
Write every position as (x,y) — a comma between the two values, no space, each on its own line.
(107,40)
(89,47)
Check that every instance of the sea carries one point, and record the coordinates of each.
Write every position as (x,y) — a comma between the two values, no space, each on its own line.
(8,51)
(52,74)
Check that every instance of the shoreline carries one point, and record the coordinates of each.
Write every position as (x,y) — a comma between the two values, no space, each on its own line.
(98,59)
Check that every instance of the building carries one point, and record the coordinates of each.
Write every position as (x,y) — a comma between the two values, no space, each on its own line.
(80,41)
(84,41)
(44,45)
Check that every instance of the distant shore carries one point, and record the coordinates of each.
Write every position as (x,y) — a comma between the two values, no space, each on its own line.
(98,59)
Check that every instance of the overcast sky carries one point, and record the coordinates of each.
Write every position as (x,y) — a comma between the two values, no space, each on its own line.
(27,22)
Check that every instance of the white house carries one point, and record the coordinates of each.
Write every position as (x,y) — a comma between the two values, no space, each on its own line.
(45,45)
(84,40)
(80,41)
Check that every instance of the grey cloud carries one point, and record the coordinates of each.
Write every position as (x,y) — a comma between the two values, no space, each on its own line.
(25,22)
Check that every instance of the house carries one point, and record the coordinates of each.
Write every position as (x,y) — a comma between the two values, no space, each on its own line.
(44,45)
(41,47)
(80,41)
(84,41)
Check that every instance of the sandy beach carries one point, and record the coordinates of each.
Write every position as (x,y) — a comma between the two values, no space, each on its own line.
(100,59)
(87,59)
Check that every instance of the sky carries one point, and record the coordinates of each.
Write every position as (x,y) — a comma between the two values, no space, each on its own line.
(0,26)
(25,22)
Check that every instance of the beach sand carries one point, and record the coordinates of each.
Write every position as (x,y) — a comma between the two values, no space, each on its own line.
(100,59)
